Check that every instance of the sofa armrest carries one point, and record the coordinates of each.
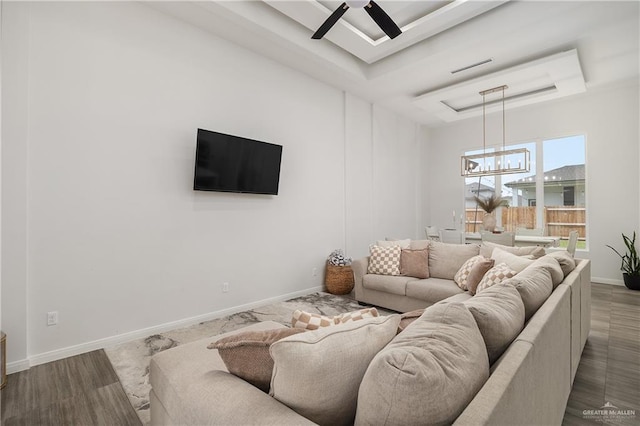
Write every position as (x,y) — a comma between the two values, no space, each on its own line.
(359,268)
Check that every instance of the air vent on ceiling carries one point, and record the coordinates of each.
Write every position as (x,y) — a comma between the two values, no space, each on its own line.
(468,67)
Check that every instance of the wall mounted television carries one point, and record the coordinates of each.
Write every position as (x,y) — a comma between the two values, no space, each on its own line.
(229,163)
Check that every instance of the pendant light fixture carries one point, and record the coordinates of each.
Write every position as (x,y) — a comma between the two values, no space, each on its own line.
(505,161)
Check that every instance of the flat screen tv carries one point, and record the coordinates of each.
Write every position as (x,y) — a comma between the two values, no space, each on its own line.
(229,163)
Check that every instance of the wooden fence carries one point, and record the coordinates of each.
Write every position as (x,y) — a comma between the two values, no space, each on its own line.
(558,220)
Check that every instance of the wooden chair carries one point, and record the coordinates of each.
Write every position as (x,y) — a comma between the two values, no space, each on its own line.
(504,238)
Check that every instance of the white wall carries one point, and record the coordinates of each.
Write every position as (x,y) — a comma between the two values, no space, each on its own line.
(98,154)
(609,119)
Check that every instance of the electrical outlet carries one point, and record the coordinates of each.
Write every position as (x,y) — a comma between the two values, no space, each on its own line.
(314,272)
(52,318)
(225,287)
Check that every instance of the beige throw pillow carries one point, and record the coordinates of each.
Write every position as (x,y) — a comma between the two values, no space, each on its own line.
(486,249)
(317,373)
(446,259)
(414,263)
(428,374)
(495,275)
(246,354)
(515,262)
(384,260)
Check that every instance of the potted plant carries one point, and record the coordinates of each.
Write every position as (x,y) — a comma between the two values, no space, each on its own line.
(630,263)
(489,204)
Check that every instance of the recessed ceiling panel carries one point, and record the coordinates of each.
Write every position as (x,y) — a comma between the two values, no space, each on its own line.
(544,79)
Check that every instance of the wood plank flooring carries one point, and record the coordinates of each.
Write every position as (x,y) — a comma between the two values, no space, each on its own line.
(84,389)
(79,390)
(609,370)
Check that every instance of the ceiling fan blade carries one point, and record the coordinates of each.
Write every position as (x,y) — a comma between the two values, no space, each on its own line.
(383,20)
(330,22)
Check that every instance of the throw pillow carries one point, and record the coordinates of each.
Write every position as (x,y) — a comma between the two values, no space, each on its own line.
(517,263)
(463,273)
(446,259)
(317,373)
(246,354)
(486,249)
(409,317)
(428,374)
(384,260)
(566,261)
(477,273)
(311,321)
(414,263)
(499,313)
(495,275)
(419,244)
(550,264)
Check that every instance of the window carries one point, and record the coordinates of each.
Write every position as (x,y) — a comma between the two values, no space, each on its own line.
(550,197)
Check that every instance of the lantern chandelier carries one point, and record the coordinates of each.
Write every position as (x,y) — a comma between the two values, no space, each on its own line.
(505,161)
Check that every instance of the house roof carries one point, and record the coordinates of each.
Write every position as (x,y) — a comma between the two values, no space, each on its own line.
(567,174)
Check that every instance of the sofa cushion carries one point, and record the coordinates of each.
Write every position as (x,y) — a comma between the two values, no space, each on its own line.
(386,283)
(414,263)
(535,287)
(432,290)
(495,275)
(566,261)
(486,249)
(419,244)
(390,242)
(428,374)
(384,260)
(462,276)
(446,259)
(515,262)
(246,354)
(317,373)
(499,313)
(550,264)
(313,321)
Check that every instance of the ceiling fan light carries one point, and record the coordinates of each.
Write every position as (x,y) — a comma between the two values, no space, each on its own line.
(357,4)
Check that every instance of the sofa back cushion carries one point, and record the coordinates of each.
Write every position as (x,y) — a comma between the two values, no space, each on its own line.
(566,261)
(515,262)
(535,286)
(486,249)
(499,313)
(317,373)
(446,259)
(428,374)
(550,264)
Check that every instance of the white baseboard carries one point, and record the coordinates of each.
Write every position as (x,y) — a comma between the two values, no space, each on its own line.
(607,281)
(16,366)
(145,332)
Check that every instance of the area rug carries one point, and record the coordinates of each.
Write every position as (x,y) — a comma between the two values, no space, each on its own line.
(130,360)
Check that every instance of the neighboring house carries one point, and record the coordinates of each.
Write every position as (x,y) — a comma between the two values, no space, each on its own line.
(474,189)
(563,186)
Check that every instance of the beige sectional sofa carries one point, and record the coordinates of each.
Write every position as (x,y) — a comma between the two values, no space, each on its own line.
(529,383)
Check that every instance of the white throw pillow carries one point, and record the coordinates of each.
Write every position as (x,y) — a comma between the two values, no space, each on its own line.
(405,244)
(515,262)
(318,373)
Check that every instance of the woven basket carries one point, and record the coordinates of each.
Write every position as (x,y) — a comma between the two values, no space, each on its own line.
(339,279)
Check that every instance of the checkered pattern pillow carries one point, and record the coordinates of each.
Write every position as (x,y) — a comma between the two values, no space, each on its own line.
(310,321)
(494,276)
(384,260)
(357,315)
(463,273)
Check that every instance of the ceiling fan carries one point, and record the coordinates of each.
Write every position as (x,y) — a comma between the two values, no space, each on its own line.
(377,14)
